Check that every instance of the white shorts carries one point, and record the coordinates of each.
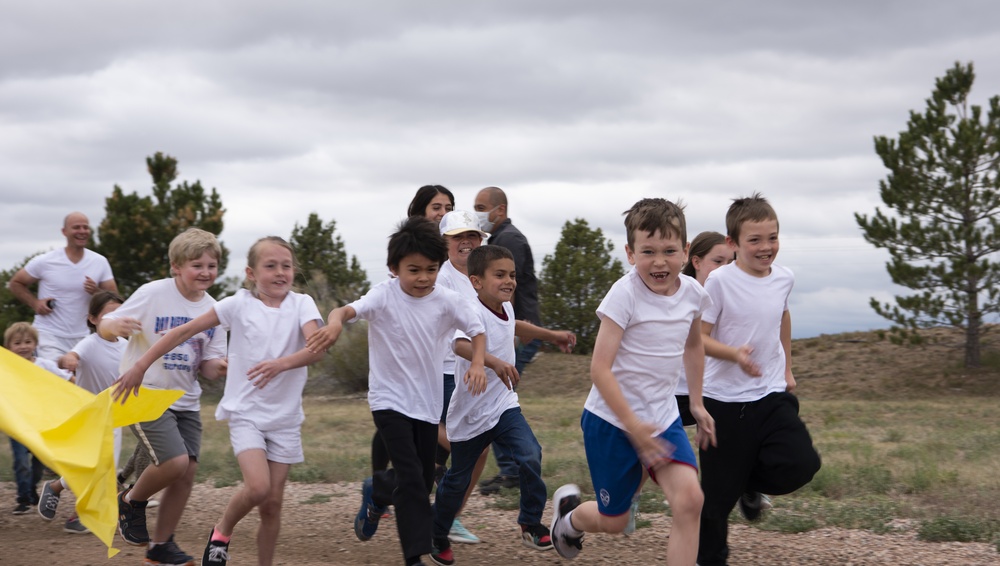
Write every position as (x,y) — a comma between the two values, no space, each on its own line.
(282,446)
(52,347)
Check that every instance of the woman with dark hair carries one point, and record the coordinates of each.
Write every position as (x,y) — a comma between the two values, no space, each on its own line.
(432,202)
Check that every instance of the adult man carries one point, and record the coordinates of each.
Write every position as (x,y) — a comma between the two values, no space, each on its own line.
(491,207)
(66,279)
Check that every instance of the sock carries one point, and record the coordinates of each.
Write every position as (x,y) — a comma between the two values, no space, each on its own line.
(128,496)
(217,536)
(62,482)
(153,545)
(568,523)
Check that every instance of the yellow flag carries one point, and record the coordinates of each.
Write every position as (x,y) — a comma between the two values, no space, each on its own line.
(71,431)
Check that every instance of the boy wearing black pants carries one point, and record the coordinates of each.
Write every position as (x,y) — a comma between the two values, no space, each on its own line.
(763,446)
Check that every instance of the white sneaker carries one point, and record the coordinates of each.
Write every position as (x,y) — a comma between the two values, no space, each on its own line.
(460,534)
(565,499)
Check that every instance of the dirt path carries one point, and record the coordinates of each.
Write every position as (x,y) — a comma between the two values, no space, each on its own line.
(317,531)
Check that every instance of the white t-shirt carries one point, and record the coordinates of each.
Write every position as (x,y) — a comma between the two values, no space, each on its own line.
(258,333)
(61,279)
(51,367)
(407,339)
(651,354)
(469,416)
(159,307)
(459,282)
(99,361)
(747,310)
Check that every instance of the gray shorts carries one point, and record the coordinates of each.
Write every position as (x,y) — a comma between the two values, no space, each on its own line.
(173,434)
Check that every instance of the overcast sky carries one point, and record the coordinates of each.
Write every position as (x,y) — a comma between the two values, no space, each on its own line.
(576,109)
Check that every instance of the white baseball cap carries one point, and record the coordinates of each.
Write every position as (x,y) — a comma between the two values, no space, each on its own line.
(459,221)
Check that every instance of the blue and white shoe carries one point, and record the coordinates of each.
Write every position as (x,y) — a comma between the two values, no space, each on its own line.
(366,521)
(460,534)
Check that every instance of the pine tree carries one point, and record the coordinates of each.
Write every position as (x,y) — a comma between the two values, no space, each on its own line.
(943,188)
(320,251)
(136,231)
(574,279)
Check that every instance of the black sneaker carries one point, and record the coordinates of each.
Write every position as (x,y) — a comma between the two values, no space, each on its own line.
(536,537)
(22,508)
(132,522)
(216,552)
(751,505)
(166,554)
(565,499)
(48,502)
(441,553)
(498,482)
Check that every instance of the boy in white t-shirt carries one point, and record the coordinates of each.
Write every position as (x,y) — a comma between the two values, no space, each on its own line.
(173,440)
(764,447)
(22,339)
(650,328)
(475,422)
(409,323)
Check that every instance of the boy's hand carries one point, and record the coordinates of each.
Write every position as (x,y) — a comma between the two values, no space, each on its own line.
(262,373)
(69,362)
(90,286)
(789,382)
(705,435)
(125,327)
(566,341)
(475,378)
(650,448)
(747,364)
(324,337)
(127,384)
(506,372)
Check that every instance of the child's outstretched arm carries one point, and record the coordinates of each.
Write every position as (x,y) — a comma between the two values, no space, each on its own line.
(609,339)
(694,371)
(262,373)
(475,377)
(564,339)
(505,371)
(786,343)
(325,337)
(129,382)
(738,355)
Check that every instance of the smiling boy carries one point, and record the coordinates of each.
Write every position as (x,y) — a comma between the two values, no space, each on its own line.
(410,323)
(764,447)
(493,417)
(173,440)
(650,328)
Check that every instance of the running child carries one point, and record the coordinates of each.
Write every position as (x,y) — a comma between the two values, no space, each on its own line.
(173,440)
(650,329)
(22,339)
(476,421)
(268,324)
(409,323)
(94,362)
(764,447)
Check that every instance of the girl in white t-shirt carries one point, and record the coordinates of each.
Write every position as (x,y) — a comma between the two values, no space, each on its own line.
(268,324)
(94,363)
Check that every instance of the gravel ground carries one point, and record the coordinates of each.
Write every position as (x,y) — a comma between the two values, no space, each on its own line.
(317,531)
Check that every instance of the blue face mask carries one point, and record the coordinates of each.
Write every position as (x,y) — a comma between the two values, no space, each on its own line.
(484,219)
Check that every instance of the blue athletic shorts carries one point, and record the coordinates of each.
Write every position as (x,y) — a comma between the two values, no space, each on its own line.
(615,469)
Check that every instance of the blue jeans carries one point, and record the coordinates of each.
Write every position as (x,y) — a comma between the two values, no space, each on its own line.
(513,434)
(27,473)
(522,357)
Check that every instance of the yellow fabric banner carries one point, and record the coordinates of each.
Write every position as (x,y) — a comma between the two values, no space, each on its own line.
(71,431)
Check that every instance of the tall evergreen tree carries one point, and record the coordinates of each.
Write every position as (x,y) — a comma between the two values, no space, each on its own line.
(943,236)
(11,309)
(574,279)
(320,252)
(136,231)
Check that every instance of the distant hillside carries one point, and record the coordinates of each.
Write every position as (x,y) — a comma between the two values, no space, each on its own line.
(854,365)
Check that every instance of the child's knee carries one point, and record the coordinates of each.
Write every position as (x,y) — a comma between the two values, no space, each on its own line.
(687,503)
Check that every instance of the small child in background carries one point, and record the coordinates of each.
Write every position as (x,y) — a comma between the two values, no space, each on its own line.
(410,321)
(650,329)
(476,421)
(22,339)
(94,362)
(174,439)
(268,325)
